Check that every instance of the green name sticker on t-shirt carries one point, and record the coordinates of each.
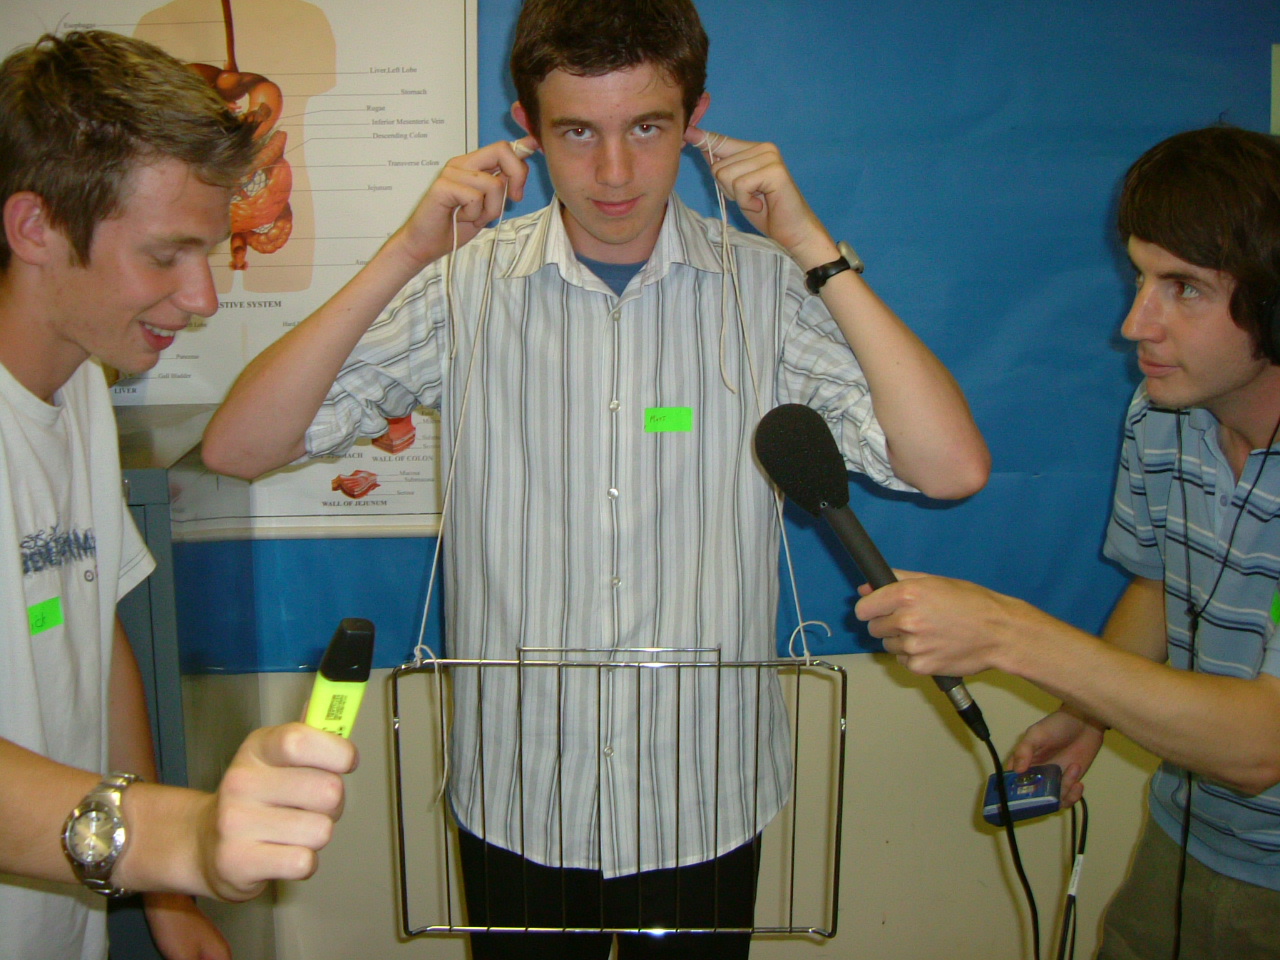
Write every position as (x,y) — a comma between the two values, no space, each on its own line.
(668,420)
(45,616)
(1275,607)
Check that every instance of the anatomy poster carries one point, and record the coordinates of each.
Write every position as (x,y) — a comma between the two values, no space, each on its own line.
(384,487)
(357,107)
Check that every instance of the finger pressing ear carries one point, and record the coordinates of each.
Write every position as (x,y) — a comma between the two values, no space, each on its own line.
(525,147)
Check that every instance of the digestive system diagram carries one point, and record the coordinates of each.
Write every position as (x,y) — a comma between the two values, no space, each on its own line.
(271,212)
(261,217)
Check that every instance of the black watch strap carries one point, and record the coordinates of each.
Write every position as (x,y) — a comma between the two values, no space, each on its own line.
(815,279)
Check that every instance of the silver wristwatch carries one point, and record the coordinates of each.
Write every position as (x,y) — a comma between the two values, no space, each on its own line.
(95,834)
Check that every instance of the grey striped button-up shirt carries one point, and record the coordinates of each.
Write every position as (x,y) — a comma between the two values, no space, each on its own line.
(574,527)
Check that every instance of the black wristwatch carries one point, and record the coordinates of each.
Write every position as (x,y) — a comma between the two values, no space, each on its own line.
(848,260)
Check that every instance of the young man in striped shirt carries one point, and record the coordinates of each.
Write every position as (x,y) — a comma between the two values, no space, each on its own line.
(1189,661)
(556,346)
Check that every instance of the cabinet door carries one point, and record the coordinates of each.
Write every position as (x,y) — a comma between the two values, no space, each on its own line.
(149,616)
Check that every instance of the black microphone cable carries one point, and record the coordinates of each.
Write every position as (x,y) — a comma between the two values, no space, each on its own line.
(1067,937)
(1006,817)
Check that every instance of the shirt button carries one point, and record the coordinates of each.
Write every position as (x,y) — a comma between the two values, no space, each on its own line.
(616,581)
(1224,499)
(613,493)
(608,752)
(614,405)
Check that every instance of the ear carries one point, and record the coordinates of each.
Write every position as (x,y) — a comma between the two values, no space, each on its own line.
(704,101)
(521,116)
(26,226)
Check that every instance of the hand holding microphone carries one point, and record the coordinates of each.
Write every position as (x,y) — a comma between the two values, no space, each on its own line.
(797,450)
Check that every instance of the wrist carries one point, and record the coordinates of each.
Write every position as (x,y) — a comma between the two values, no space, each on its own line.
(169,825)
(407,257)
(814,251)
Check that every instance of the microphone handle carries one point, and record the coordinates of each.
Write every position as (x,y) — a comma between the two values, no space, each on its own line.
(878,573)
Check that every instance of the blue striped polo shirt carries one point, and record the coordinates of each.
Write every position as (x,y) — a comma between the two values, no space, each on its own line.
(1173,516)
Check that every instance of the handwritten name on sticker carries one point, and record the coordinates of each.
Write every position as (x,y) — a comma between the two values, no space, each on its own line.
(668,420)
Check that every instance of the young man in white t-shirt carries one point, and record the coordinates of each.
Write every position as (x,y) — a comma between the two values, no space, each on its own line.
(116,171)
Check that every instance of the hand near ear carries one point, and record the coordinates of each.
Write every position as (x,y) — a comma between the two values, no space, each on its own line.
(754,177)
(467,195)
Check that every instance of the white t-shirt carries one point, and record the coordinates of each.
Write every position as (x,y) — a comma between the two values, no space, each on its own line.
(68,551)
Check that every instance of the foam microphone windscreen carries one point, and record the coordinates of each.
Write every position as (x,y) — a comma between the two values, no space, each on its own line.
(796,448)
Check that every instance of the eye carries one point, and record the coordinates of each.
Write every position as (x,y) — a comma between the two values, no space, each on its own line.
(577,133)
(647,129)
(1186,291)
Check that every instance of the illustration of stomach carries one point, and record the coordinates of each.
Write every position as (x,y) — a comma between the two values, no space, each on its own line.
(261,217)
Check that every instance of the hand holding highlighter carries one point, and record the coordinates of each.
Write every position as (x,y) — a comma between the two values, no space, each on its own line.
(342,677)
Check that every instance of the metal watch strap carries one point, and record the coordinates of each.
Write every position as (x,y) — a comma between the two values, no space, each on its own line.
(108,795)
(815,279)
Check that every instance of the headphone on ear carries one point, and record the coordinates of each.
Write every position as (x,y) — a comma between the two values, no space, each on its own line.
(1269,327)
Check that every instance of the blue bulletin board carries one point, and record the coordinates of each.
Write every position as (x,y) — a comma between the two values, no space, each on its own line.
(972,154)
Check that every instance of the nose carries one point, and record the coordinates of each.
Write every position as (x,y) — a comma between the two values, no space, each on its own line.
(614,164)
(1143,320)
(197,295)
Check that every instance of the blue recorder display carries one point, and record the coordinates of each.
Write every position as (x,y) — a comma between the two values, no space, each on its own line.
(342,678)
(1031,794)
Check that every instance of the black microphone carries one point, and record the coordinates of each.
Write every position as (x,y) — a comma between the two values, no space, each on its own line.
(797,450)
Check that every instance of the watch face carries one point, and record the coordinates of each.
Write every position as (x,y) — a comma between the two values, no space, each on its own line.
(95,836)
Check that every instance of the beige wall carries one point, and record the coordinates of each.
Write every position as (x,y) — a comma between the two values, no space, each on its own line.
(922,876)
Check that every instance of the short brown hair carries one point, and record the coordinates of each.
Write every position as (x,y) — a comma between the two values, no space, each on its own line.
(589,38)
(79,113)
(1212,198)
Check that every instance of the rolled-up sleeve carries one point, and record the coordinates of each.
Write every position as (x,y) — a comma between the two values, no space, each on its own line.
(819,370)
(395,368)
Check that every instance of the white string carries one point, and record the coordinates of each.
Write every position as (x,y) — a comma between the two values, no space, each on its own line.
(729,269)
(422,651)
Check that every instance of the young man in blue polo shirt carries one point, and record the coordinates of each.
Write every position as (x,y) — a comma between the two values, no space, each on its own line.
(1189,663)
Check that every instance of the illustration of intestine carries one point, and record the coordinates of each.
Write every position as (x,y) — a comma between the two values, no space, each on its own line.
(261,216)
(359,483)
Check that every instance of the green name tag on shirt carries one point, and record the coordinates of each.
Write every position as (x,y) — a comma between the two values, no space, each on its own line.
(1275,607)
(668,420)
(45,616)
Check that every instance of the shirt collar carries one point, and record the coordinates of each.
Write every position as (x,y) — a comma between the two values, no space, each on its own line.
(680,241)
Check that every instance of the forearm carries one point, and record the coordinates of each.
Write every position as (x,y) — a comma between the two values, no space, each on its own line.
(263,422)
(129,746)
(36,794)
(933,442)
(1225,728)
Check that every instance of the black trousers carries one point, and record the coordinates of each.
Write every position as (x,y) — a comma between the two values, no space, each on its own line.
(504,889)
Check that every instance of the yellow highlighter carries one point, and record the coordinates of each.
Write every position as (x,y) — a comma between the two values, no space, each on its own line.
(343,675)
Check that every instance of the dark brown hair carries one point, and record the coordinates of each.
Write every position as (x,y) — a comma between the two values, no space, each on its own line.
(79,113)
(1212,198)
(589,38)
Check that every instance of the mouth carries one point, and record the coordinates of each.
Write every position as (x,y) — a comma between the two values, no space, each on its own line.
(1150,368)
(158,338)
(619,208)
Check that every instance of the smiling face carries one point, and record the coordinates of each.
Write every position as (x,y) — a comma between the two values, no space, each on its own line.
(612,144)
(146,276)
(1191,351)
